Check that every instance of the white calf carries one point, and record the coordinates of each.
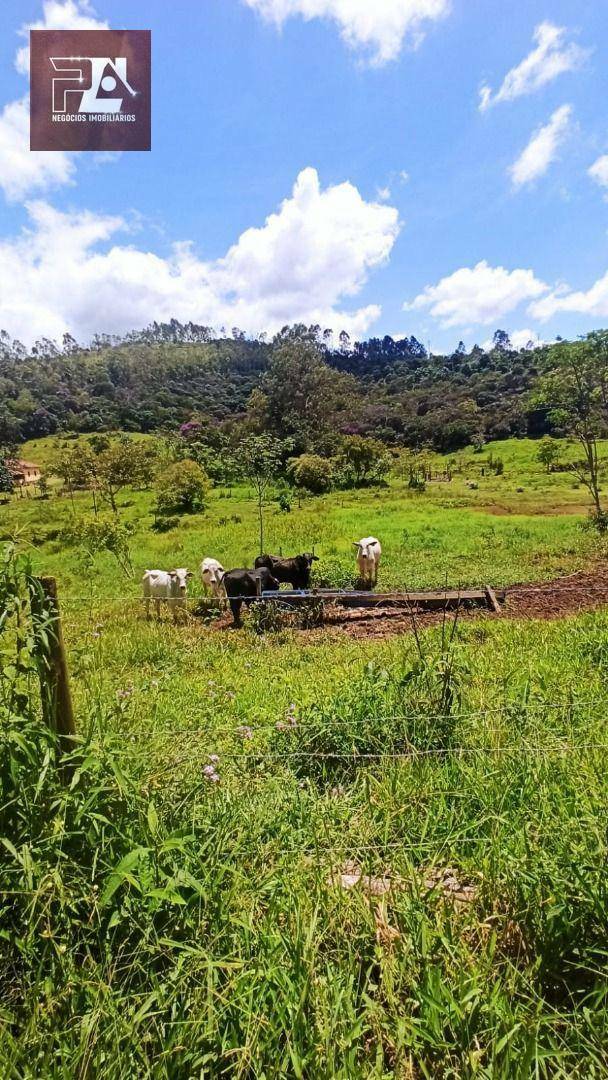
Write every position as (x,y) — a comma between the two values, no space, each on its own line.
(167,586)
(368,560)
(212,574)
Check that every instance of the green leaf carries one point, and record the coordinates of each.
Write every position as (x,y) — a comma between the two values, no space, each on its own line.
(121,872)
(152,819)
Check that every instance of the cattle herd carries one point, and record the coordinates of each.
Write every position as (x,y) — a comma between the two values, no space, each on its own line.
(242,585)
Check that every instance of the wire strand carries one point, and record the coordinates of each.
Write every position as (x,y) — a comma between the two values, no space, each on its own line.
(490,710)
(411,755)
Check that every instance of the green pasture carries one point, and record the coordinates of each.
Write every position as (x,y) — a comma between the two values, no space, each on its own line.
(523,524)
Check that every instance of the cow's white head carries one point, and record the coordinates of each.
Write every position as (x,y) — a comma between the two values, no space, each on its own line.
(179,580)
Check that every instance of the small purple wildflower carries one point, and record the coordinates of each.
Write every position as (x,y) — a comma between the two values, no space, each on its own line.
(245,731)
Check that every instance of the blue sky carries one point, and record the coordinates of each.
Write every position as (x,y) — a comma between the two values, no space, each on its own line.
(409,193)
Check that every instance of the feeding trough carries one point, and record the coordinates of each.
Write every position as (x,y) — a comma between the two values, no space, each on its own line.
(442,600)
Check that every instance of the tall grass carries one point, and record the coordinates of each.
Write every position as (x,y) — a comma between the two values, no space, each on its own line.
(158,923)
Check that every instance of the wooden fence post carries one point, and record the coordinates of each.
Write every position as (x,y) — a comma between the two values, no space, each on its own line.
(57,708)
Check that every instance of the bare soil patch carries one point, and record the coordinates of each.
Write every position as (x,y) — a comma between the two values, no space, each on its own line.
(586,590)
(526,509)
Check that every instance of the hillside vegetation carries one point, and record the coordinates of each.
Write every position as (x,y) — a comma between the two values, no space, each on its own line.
(164,376)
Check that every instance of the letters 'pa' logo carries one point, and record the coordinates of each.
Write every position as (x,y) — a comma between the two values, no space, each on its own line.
(90,84)
(90,90)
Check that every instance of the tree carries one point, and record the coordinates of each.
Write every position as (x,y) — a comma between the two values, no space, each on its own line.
(144,462)
(501,340)
(74,465)
(548,453)
(205,444)
(10,427)
(416,467)
(575,390)
(259,459)
(303,398)
(182,488)
(114,468)
(312,472)
(7,480)
(364,460)
(95,535)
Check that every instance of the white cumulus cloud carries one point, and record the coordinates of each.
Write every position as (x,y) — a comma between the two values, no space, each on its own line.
(69,272)
(524,339)
(592,301)
(599,171)
(378,27)
(23,171)
(552,56)
(482,294)
(543,148)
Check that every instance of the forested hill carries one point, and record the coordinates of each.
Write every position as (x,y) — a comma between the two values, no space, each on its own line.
(170,374)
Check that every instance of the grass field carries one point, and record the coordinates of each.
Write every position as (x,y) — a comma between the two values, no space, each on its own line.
(522,525)
(401,871)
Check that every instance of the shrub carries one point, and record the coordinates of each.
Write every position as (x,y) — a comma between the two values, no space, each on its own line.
(496,464)
(416,482)
(336,574)
(597,521)
(182,488)
(362,461)
(165,524)
(93,535)
(312,472)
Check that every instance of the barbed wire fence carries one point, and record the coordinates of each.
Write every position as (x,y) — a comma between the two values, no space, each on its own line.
(45,642)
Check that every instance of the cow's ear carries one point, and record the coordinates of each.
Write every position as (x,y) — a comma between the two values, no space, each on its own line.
(189,573)
(356,545)
(315,558)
